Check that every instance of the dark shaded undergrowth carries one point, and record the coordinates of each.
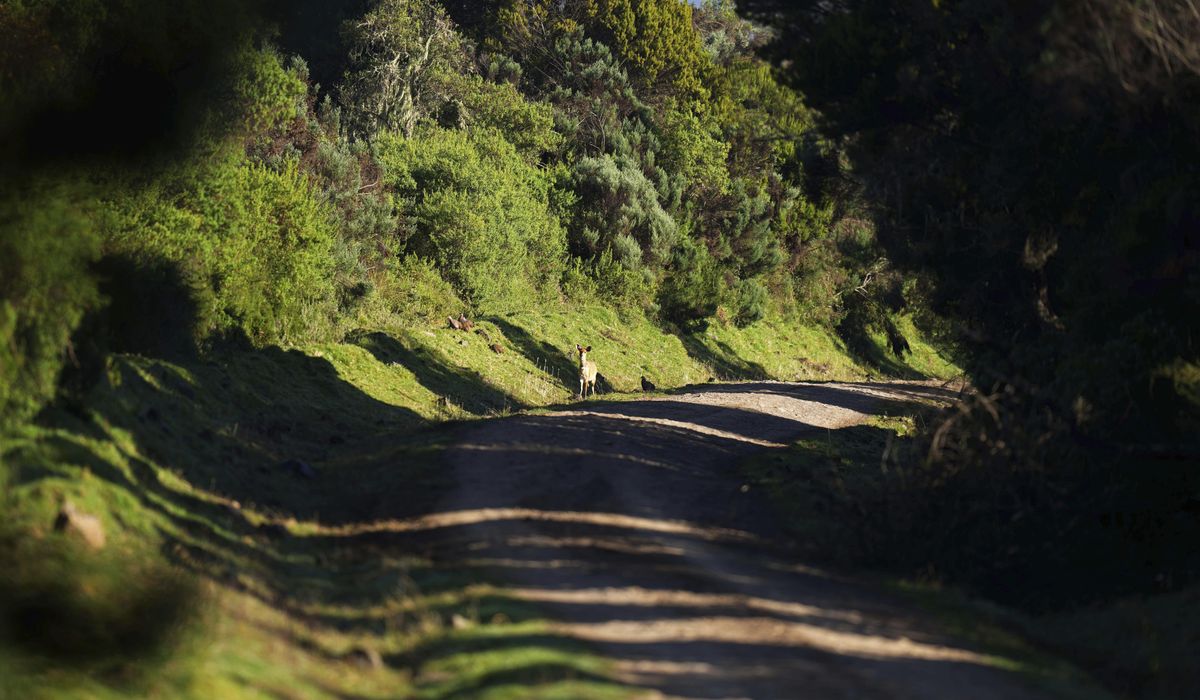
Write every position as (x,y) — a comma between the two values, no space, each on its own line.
(859,498)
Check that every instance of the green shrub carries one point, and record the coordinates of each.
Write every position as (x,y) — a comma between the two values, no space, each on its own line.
(404,290)
(479,104)
(692,148)
(255,245)
(46,246)
(692,289)
(263,90)
(479,212)
(619,211)
(606,280)
(752,302)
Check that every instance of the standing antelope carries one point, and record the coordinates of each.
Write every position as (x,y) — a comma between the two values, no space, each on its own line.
(587,371)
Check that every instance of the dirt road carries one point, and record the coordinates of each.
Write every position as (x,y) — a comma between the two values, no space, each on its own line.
(628,523)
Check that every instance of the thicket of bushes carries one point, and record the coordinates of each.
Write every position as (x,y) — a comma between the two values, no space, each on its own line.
(638,154)
(1035,167)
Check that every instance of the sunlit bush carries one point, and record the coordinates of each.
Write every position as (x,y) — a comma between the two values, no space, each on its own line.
(45,248)
(479,212)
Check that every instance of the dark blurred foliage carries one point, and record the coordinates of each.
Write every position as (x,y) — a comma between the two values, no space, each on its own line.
(1036,162)
(63,605)
(122,79)
(313,29)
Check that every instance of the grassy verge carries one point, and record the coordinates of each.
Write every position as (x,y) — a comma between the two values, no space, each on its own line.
(830,491)
(436,371)
(1144,647)
(234,492)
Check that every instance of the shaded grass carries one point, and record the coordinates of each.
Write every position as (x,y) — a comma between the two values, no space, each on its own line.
(1004,634)
(187,466)
(513,661)
(1144,647)
(193,493)
(831,492)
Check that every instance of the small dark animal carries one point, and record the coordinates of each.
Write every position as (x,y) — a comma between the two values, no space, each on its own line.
(898,342)
(486,338)
(647,385)
(465,322)
(454,323)
(497,348)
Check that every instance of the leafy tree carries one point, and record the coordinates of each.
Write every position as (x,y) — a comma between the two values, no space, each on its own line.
(479,212)
(400,52)
(751,300)
(264,91)
(693,149)
(474,102)
(252,243)
(657,40)
(763,121)
(619,211)
(593,98)
(692,290)
(742,232)
(724,35)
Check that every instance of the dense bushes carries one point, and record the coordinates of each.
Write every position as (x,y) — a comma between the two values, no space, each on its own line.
(563,150)
(46,246)
(692,292)
(1034,166)
(253,243)
(619,211)
(479,212)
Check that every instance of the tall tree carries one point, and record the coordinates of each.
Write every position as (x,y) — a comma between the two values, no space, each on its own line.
(656,38)
(399,52)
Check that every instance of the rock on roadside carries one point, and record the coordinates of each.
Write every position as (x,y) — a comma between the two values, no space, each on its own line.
(71,519)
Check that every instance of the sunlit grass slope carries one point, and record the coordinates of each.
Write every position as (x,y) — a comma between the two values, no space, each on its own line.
(235,491)
(436,371)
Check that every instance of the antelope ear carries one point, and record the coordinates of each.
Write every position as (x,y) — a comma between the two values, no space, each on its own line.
(588,349)
(578,347)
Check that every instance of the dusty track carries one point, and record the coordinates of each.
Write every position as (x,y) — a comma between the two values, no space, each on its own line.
(628,523)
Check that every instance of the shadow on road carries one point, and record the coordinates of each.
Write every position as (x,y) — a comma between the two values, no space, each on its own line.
(624,527)
(627,526)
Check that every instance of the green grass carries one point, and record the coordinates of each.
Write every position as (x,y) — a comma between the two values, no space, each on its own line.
(514,661)
(231,571)
(1004,635)
(438,372)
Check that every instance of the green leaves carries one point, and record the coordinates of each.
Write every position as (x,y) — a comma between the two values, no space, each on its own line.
(657,39)
(621,206)
(475,103)
(254,244)
(264,92)
(45,244)
(400,51)
(480,212)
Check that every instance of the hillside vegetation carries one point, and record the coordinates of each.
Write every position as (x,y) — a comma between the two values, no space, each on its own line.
(232,235)
(627,156)
(230,238)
